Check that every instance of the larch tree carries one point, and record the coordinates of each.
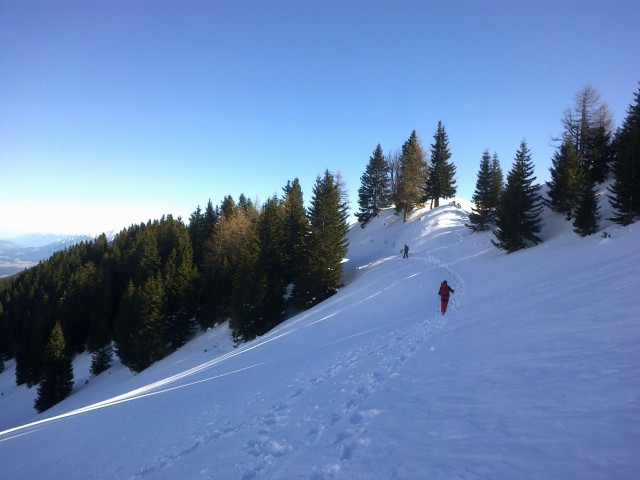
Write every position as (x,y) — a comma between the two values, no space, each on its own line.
(411,176)
(588,125)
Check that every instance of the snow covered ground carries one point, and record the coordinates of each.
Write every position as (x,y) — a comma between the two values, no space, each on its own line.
(533,373)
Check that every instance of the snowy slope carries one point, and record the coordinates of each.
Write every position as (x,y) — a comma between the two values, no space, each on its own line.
(532,373)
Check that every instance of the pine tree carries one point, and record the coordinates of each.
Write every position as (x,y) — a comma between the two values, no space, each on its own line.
(625,189)
(375,189)
(518,215)
(327,241)
(483,213)
(411,176)
(441,182)
(566,178)
(57,372)
(585,221)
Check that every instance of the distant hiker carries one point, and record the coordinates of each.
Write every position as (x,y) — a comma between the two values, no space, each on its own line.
(444,296)
(406,252)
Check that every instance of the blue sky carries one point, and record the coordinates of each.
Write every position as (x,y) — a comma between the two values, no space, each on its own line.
(115,112)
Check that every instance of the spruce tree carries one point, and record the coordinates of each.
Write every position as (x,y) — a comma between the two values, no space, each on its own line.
(625,189)
(327,241)
(497,182)
(196,234)
(518,216)
(585,217)
(101,359)
(483,212)
(295,226)
(139,329)
(411,176)
(57,372)
(375,189)
(178,281)
(440,182)
(566,179)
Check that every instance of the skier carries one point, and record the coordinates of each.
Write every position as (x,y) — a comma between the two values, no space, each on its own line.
(406,252)
(444,296)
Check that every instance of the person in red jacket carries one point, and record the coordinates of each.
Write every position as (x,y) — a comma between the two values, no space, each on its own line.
(444,296)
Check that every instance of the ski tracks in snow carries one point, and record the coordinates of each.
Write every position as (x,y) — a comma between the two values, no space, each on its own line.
(338,431)
(333,433)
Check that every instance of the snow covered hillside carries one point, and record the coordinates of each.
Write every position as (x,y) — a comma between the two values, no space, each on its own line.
(531,374)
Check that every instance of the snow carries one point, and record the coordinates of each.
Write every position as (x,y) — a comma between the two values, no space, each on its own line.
(531,374)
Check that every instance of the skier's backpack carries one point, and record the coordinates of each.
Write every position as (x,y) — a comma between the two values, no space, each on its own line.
(444,291)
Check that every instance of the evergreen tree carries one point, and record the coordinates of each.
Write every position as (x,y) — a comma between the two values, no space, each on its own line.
(483,213)
(140,324)
(518,216)
(411,176)
(625,189)
(441,182)
(57,372)
(497,184)
(327,241)
(375,190)
(197,235)
(585,221)
(295,226)
(259,302)
(101,359)
(234,228)
(566,178)
(178,281)
(228,208)
(203,236)
(599,152)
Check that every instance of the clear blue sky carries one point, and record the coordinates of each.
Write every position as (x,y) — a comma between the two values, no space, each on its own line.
(115,112)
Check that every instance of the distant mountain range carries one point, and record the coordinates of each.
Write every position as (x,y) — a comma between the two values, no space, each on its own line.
(18,253)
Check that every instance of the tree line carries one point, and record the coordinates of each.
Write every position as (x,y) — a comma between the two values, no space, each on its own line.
(589,153)
(406,179)
(144,294)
